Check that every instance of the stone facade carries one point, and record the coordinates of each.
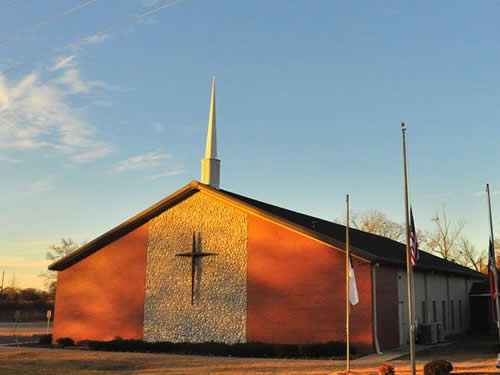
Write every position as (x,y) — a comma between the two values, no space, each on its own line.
(220,289)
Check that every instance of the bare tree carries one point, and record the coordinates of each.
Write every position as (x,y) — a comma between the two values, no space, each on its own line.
(59,251)
(444,240)
(377,222)
(469,255)
(56,252)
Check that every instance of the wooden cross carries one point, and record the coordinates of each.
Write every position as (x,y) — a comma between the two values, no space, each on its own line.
(194,255)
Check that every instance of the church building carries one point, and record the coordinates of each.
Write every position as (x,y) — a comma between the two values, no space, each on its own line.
(206,264)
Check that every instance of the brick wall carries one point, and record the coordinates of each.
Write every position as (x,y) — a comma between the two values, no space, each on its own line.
(296,290)
(102,296)
(387,307)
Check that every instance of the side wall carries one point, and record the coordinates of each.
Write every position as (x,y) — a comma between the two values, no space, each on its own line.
(439,298)
(386,281)
(296,290)
(102,296)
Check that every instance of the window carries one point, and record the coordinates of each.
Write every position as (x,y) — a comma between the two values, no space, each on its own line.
(424,315)
(452,310)
(443,312)
(460,313)
(434,312)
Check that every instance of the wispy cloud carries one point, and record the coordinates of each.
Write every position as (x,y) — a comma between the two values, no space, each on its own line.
(10,160)
(36,115)
(40,185)
(158,127)
(64,62)
(150,3)
(148,160)
(172,172)
(483,193)
(71,78)
(87,40)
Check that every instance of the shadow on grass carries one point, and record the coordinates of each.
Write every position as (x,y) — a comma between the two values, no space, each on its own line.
(472,347)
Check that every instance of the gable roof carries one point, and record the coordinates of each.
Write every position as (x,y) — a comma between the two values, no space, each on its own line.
(367,246)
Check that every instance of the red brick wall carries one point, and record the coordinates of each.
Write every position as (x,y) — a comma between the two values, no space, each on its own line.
(296,290)
(102,296)
(386,280)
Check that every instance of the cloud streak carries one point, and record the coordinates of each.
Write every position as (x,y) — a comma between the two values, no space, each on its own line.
(148,160)
(41,185)
(87,40)
(64,62)
(483,193)
(172,172)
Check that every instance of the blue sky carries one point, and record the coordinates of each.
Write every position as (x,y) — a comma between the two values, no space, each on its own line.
(104,108)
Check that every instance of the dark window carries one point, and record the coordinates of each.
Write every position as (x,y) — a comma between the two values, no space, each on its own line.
(424,315)
(434,312)
(460,312)
(443,312)
(452,310)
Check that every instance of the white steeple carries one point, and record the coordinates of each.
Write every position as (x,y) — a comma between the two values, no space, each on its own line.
(210,165)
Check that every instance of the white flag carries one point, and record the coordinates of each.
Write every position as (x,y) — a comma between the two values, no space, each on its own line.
(353,289)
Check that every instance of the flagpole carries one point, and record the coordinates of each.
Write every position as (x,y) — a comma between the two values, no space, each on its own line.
(495,273)
(347,282)
(409,270)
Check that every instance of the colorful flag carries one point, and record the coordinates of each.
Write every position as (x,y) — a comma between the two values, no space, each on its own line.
(353,289)
(492,270)
(413,241)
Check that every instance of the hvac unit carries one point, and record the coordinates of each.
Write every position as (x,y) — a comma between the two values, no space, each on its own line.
(428,334)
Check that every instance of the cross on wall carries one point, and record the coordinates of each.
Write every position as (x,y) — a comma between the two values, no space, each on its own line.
(195,256)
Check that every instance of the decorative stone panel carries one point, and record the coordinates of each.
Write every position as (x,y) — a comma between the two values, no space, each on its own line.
(220,284)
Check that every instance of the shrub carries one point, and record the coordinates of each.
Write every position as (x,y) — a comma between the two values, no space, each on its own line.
(45,339)
(386,369)
(250,349)
(439,367)
(65,341)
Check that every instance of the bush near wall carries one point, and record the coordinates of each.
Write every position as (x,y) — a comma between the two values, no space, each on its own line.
(251,349)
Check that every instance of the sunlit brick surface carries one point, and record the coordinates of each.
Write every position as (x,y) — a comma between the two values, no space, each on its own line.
(296,290)
(102,296)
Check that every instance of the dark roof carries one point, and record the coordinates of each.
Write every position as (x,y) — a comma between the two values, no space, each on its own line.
(366,245)
(381,249)
(481,288)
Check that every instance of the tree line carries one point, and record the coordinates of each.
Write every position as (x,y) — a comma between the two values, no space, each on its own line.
(445,239)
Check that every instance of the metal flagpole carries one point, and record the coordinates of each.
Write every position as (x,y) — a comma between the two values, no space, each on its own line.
(347,307)
(409,270)
(495,272)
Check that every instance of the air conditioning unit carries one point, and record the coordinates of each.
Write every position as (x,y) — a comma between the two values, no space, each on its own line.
(428,333)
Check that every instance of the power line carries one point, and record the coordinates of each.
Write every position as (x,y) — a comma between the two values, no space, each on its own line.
(115,26)
(47,21)
(130,20)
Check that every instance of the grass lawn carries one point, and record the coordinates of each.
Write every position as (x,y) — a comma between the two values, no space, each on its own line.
(469,356)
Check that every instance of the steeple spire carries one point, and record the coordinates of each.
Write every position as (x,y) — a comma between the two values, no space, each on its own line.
(210,165)
(211,149)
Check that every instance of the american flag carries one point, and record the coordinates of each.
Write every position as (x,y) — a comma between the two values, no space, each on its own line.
(492,270)
(413,241)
